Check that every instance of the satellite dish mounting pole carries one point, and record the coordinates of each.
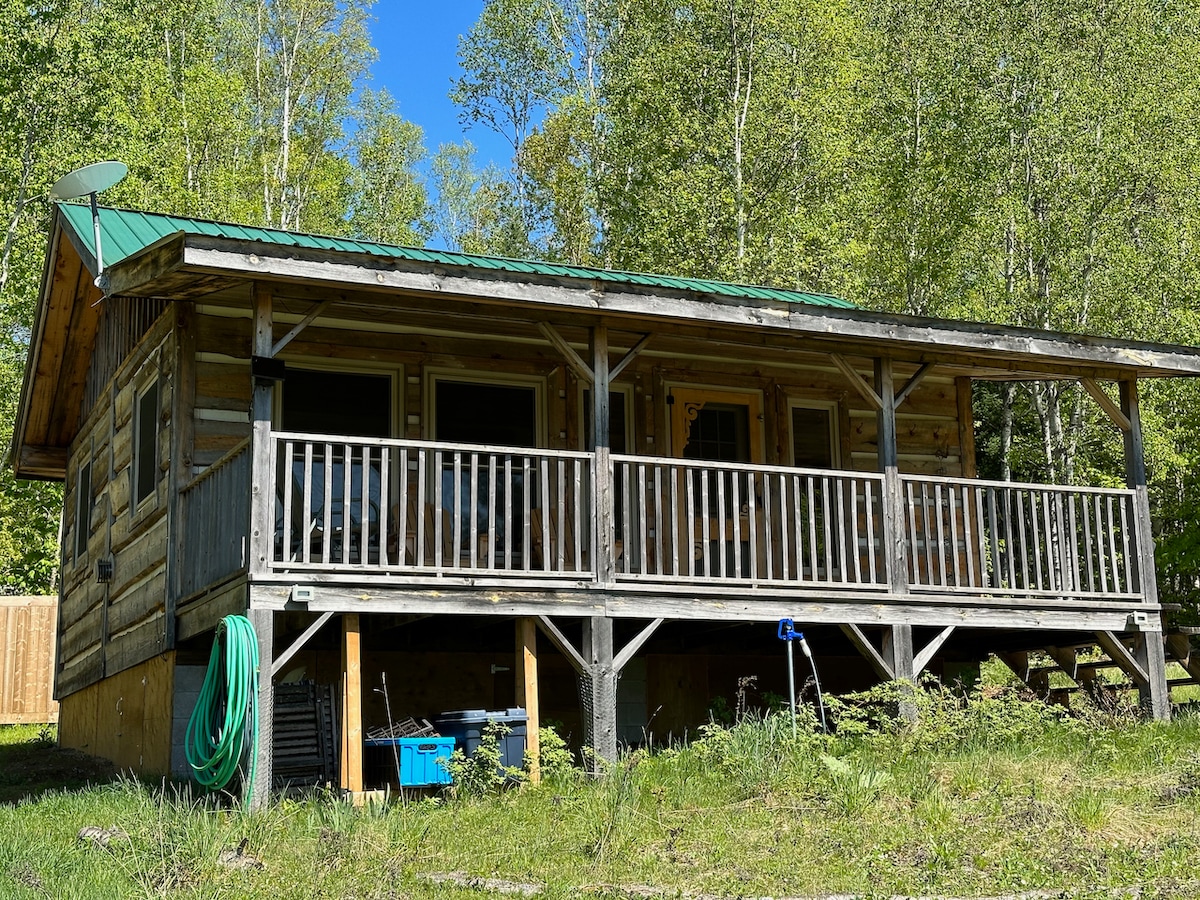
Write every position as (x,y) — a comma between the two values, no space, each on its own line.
(96,231)
(90,180)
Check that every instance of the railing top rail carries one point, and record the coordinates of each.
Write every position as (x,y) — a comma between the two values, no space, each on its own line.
(744,467)
(1018,485)
(407,443)
(220,464)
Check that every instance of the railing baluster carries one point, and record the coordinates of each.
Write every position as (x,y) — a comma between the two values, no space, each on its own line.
(1129,587)
(552,561)
(560,512)
(784,522)
(721,519)
(875,541)
(941,532)
(658,524)
(841,530)
(636,544)
(495,525)
(814,553)
(735,504)
(509,537)
(798,526)
(526,514)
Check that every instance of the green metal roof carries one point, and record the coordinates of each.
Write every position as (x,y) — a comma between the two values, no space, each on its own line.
(125,232)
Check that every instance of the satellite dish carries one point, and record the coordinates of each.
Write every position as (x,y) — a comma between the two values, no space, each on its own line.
(89,180)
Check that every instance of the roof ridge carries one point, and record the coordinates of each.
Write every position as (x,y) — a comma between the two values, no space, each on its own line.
(477,260)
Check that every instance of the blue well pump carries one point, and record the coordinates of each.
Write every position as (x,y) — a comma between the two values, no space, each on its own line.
(788,633)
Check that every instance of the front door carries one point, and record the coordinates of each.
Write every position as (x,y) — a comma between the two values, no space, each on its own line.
(719,504)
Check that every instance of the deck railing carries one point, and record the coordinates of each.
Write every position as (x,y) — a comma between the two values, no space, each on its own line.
(216,522)
(729,523)
(424,509)
(997,537)
(434,508)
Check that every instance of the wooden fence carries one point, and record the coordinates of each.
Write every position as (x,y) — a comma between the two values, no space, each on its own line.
(27,626)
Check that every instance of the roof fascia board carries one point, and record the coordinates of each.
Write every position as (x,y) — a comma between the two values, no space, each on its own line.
(223,256)
(152,262)
(33,354)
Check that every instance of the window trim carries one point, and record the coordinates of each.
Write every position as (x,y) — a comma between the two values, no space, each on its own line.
(151,380)
(83,517)
(835,444)
(498,379)
(394,372)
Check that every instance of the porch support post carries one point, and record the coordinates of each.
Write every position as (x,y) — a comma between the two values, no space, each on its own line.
(1155,695)
(352,745)
(527,691)
(602,475)
(262,475)
(263,621)
(261,509)
(599,689)
(897,640)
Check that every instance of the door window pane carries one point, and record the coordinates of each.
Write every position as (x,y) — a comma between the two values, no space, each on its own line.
(812,437)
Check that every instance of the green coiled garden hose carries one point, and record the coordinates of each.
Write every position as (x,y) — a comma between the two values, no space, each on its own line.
(224,724)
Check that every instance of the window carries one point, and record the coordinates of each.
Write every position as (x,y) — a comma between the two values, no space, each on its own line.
(83,509)
(145,461)
(814,444)
(481,413)
(325,402)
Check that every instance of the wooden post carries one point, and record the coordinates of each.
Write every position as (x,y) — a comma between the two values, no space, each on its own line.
(183,397)
(263,621)
(602,474)
(352,743)
(1156,696)
(599,689)
(527,690)
(897,640)
(893,499)
(262,504)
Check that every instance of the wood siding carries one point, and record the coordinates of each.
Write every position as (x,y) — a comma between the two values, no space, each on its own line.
(27,638)
(108,627)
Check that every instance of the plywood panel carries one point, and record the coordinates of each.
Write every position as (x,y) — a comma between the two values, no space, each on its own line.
(125,718)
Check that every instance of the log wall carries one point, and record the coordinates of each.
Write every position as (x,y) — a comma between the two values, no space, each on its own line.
(107,627)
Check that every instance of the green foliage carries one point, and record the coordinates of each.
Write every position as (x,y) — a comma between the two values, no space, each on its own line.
(483,773)
(1104,808)
(556,762)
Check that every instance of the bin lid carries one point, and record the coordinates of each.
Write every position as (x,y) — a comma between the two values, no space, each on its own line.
(483,716)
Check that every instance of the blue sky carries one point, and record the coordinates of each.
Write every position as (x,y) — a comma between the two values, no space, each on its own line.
(418,60)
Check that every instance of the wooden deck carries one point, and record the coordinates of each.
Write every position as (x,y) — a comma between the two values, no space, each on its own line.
(372,523)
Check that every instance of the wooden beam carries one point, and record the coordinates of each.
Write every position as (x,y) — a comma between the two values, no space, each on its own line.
(939,339)
(582,369)
(922,659)
(1135,478)
(911,384)
(859,383)
(1114,412)
(1155,694)
(603,489)
(1120,654)
(263,621)
(707,603)
(894,544)
(966,426)
(864,646)
(1067,659)
(527,691)
(629,357)
(262,475)
(300,326)
(559,640)
(600,689)
(630,650)
(352,731)
(298,644)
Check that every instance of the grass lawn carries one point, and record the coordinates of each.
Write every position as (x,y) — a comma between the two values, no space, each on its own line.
(990,796)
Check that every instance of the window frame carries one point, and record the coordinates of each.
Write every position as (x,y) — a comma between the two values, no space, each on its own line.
(835,444)
(150,380)
(497,379)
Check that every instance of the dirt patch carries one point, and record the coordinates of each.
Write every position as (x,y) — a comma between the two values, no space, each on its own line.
(32,768)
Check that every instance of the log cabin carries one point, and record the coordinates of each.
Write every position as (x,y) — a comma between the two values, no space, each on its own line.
(584,492)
